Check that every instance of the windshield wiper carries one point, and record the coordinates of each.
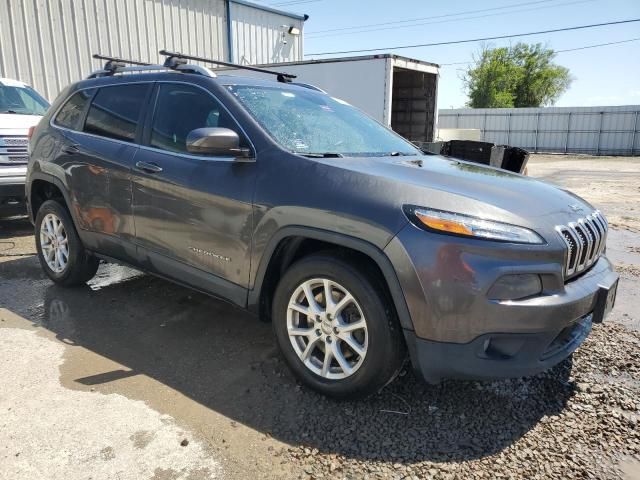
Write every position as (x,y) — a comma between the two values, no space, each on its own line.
(321,155)
(13,111)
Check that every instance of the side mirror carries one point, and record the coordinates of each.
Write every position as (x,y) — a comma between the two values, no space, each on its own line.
(222,142)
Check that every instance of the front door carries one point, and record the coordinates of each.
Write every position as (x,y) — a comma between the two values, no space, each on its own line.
(192,213)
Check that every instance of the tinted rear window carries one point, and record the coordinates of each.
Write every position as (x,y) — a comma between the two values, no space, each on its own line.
(115,111)
(70,115)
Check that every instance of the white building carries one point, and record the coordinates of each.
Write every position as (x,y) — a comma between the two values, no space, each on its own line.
(49,43)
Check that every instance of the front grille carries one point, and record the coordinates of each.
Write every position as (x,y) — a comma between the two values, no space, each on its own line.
(14,149)
(585,240)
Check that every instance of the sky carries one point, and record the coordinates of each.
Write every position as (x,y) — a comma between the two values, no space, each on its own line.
(608,75)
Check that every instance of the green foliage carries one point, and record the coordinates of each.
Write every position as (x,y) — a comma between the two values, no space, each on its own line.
(518,76)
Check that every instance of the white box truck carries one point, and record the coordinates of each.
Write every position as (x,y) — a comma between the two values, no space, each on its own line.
(397,91)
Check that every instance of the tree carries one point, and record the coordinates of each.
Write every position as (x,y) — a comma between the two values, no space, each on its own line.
(518,76)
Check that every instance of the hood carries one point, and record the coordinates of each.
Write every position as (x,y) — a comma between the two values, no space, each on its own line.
(16,124)
(469,188)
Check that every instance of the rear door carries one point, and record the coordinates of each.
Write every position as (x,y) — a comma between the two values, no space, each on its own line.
(96,150)
(193,213)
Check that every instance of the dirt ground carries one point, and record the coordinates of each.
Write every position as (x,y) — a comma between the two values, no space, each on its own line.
(133,377)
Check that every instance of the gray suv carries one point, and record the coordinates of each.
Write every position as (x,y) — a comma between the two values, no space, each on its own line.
(361,250)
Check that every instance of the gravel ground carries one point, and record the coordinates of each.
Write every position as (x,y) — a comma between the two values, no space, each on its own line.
(579,420)
(223,385)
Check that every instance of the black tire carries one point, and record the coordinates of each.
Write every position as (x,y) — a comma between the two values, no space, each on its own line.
(386,350)
(81,266)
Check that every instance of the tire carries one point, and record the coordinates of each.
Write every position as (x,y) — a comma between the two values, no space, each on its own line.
(379,342)
(79,266)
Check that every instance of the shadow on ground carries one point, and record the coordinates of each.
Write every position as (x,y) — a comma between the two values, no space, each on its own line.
(15,227)
(226,360)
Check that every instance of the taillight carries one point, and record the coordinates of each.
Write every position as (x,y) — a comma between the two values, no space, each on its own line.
(31,130)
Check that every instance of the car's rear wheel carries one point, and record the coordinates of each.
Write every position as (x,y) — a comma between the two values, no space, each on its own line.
(336,328)
(60,250)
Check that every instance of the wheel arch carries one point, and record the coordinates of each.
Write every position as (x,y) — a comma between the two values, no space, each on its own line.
(44,187)
(291,243)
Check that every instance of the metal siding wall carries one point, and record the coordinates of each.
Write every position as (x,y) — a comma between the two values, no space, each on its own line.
(611,130)
(49,43)
(257,36)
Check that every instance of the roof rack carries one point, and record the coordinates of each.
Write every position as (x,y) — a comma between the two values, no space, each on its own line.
(175,58)
(177,62)
(115,62)
(120,65)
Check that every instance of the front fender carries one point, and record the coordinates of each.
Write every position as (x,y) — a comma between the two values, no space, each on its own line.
(339,239)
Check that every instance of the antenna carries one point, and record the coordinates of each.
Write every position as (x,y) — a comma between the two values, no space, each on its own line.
(174,58)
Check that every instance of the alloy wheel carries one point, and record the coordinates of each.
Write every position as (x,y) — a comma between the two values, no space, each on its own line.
(327,328)
(54,243)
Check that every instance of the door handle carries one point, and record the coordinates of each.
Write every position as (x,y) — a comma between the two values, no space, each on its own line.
(71,149)
(148,167)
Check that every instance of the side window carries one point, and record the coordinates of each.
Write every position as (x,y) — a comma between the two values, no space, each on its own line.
(70,115)
(181,108)
(115,111)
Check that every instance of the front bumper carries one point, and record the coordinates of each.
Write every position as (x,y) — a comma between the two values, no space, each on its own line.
(458,332)
(494,356)
(12,195)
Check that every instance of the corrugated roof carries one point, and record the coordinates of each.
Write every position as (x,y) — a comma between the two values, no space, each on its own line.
(270,9)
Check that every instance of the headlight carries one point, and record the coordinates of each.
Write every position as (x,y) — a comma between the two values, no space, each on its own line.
(465,225)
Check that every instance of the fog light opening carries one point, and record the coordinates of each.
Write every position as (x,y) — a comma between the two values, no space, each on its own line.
(502,347)
(516,287)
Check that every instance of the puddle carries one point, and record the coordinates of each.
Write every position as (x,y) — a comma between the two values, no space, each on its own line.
(111,274)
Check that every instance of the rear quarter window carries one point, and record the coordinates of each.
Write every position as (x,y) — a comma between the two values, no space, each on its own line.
(71,113)
(115,111)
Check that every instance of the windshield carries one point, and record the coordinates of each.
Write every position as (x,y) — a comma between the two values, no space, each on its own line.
(311,123)
(21,100)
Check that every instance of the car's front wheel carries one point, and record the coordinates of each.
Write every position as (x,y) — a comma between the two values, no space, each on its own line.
(60,250)
(336,328)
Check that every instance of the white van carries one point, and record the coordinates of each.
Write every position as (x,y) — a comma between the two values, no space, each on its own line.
(21,108)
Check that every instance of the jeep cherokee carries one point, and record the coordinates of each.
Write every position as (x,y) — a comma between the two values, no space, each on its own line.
(298,207)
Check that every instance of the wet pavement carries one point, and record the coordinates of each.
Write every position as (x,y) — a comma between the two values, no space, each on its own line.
(182,365)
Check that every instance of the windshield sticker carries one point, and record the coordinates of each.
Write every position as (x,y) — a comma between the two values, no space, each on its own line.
(300,145)
(288,94)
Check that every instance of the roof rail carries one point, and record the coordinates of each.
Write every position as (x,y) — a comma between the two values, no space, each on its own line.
(175,58)
(309,86)
(119,65)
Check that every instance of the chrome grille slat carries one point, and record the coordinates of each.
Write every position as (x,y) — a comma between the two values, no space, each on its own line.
(591,240)
(13,149)
(585,239)
(596,238)
(600,233)
(602,222)
(580,242)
